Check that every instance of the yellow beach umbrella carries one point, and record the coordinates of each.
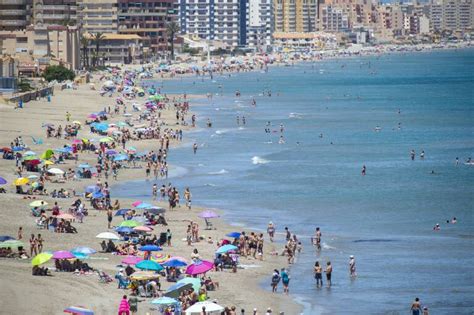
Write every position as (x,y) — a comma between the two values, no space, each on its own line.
(48,162)
(21,181)
(41,259)
(76,122)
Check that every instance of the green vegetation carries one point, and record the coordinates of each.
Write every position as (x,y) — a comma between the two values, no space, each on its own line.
(172,29)
(24,85)
(58,73)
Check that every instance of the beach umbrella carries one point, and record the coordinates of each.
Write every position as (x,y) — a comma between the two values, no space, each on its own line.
(63,254)
(124,229)
(29,153)
(33,176)
(164,301)
(21,181)
(78,310)
(12,244)
(85,165)
(92,188)
(38,203)
(233,234)
(48,162)
(121,157)
(144,275)
(108,236)
(175,263)
(56,171)
(131,260)
(93,116)
(30,158)
(97,195)
(175,290)
(76,141)
(4,238)
(195,282)
(160,258)
(208,214)
(130,223)
(150,248)
(143,228)
(136,203)
(211,308)
(149,265)
(83,250)
(121,124)
(200,266)
(47,154)
(106,139)
(34,162)
(41,259)
(18,148)
(225,249)
(121,212)
(111,152)
(144,205)
(156,210)
(3,181)
(80,256)
(65,216)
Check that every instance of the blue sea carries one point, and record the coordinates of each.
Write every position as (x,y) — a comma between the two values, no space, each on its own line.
(386,218)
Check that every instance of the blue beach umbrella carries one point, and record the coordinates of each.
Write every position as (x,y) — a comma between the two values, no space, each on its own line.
(121,212)
(144,205)
(149,265)
(225,249)
(121,157)
(84,165)
(3,181)
(97,195)
(80,255)
(233,234)
(176,289)
(4,238)
(175,263)
(92,188)
(164,301)
(124,229)
(83,250)
(150,248)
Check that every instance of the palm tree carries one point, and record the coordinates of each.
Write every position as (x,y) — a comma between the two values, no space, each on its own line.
(171,29)
(85,51)
(97,38)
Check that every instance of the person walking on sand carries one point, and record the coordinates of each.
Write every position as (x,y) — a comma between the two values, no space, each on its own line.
(285,280)
(39,242)
(187,197)
(416,307)
(68,116)
(124,307)
(33,246)
(352,266)
(271,230)
(133,303)
(275,280)
(20,233)
(109,218)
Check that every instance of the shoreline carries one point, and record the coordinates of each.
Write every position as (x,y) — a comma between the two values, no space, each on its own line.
(79,103)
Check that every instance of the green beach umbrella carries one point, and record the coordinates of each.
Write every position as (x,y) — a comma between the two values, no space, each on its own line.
(41,259)
(47,154)
(12,244)
(196,282)
(130,223)
(106,139)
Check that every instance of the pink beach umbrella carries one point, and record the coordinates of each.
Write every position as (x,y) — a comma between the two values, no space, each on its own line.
(208,214)
(136,203)
(76,141)
(143,228)
(131,260)
(201,266)
(63,254)
(93,116)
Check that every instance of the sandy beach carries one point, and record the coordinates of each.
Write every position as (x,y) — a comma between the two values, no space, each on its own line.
(23,293)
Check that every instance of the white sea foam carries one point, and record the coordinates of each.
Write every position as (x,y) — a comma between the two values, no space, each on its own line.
(221,172)
(296,115)
(258,160)
(326,246)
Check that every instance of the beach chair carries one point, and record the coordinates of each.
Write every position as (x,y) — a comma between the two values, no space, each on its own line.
(143,293)
(103,277)
(209,225)
(37,141)
(122,283)
(41,224)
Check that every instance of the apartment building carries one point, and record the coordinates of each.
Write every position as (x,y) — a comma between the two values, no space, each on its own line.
(258,23)
(221,20)
(148,19)
(43,43)
(98,16)
(295,15)
(14,14)
(55,12)
(452,15)
(333,19)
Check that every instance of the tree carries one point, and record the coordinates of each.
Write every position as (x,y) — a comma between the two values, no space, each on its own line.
(85,51)
(97,39)
(58,73)
(172,28)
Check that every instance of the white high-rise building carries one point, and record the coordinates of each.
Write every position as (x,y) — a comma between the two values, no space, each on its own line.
(259,24)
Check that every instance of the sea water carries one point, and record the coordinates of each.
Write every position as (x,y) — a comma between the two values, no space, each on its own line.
(416,101)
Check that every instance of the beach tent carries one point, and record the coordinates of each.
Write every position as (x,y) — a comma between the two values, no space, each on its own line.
(211,308)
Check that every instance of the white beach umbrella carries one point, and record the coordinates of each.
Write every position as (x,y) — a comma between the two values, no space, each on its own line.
(108,236)
(56,171)
(211,308)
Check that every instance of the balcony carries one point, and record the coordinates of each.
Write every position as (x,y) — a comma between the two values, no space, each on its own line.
(14,2)
(12,23)
(12,12)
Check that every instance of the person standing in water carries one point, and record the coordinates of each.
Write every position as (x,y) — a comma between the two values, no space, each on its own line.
(285,280)
(363,170)
(416,307)
(412,155)
(422,155)
(243,120)
(352,266)
(154,191)
(271,230)
(238,120)
(317,238)
(275,280)
(318,274)
(328,273)
(187,197)
(195,147)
